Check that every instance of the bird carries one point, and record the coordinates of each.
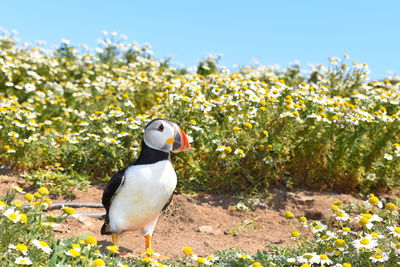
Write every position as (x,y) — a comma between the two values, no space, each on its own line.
(135,196)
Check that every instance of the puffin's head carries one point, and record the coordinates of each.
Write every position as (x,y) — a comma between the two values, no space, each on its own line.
(165,135)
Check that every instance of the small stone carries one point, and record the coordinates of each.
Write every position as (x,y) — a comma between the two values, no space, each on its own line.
(205,229)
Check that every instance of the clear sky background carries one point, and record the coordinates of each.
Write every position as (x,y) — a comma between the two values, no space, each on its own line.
(273,32)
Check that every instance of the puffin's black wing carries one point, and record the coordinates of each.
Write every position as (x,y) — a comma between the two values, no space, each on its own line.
(109,192)
(168,202)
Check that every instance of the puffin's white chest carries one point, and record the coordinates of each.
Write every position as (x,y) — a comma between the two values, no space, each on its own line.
(145,191)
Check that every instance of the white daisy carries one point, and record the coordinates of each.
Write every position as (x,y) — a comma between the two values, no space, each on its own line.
(308,258)
(365,243)
(318,227)
(394,230)
(341,215)
(42,245)
(388,156)
(23,261)
(12,214)
(379,257)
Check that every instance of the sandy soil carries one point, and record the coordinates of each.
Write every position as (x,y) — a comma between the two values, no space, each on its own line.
(203,222)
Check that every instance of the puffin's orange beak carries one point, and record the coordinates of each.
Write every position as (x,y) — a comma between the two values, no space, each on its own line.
(181,142)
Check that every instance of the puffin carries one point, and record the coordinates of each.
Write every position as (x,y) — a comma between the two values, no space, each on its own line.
(135,196)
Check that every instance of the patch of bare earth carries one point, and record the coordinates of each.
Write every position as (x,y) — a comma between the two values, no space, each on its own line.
(204,222)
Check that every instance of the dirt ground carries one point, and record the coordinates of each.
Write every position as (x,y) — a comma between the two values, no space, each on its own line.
(203,222)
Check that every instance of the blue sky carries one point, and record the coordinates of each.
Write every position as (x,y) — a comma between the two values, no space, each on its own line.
(273,32)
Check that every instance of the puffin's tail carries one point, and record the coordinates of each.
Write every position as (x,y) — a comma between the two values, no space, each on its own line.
(105,229)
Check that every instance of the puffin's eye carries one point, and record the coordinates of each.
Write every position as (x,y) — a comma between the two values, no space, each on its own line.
(160,128)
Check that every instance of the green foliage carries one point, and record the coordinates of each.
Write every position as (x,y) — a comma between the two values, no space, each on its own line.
(328,129)
(58,182)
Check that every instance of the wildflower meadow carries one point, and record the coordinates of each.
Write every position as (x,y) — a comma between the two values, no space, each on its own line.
(72,115)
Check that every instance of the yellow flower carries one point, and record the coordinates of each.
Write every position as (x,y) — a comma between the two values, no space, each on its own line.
(346,264)
(235,128)
(346,229)
(256,264)
(91,240)
(364,221)
(340,243)
(390,206)
(73,252)
(295,234)
(149,251)
(146,259)
(23,218)
(43,191)
(113,249)
(303,219)
(201,260)
(17,203)
(98,263)
(22,247)
(338,203)
(187,250)
(334,207)
(228,149)
(28,197)
(248,125)
(374,200)
(289,215)
(69,210)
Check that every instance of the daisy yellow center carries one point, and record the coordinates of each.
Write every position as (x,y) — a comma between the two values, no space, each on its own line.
(340,213)
(13,216)
(364,221)
(98,262)
(201,260)
(340,243)
(295,234)
(43,244)
(329,249)
(22,247)
(187,250)
(374,200)
(397,230)
(91,240)
(307,256)
(323,257)
(74,252)
(365,241)
(378,256)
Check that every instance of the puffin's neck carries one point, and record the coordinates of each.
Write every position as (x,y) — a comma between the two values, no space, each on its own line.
(150,155)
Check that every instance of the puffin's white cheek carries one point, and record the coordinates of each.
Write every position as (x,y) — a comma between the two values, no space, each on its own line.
(157,140)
